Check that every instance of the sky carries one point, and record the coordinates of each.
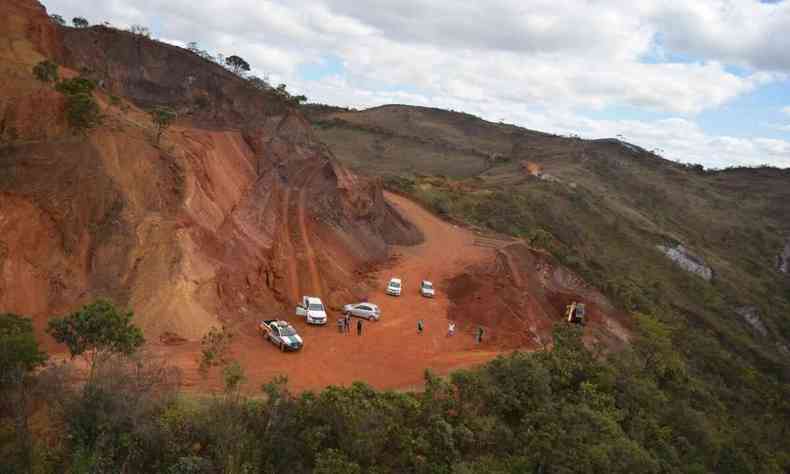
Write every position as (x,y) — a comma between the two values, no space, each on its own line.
(702,81)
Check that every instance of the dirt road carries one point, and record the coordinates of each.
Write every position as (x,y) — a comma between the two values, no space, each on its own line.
(389,354)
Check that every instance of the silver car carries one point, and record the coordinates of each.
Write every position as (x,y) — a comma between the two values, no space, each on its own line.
(368,311)
(426,289)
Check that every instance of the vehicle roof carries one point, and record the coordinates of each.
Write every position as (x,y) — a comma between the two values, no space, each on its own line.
(427,281)
(366,304)
(313,299)
(395,279)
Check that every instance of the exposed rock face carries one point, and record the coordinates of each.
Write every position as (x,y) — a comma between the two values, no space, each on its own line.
(783,260)
(28,111)
(687,261)
(236,215)
(752,316)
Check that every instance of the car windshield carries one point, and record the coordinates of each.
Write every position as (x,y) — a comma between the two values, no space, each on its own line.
(316,307)
(427,285)
(287,331)
(395,284)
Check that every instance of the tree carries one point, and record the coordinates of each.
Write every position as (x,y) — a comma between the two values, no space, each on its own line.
(80,22)
(162,118)
(19,351)
(237,64)
(58,19)
(140,30)
(46,71)
(259,83)
(19,356)
(96,331)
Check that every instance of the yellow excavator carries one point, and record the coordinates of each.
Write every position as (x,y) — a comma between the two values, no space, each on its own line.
(574,313)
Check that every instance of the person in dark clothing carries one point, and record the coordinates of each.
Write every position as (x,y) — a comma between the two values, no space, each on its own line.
(480,333)
(420,326)
(359,327)
(348,323)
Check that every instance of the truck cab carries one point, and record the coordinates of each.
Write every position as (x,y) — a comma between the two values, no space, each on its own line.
(312,310)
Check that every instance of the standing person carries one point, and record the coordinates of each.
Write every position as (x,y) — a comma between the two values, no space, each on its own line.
(480,333)
(419,326)
(348,323)
(359,327)
(450,329)
(341,325)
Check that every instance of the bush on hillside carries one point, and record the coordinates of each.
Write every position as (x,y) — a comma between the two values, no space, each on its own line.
(76,85)
(82,112)
(46,71)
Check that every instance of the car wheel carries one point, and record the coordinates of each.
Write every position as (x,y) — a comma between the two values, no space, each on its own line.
(282,346)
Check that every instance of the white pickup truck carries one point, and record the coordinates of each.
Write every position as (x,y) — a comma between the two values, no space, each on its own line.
(312,310)
(281,334)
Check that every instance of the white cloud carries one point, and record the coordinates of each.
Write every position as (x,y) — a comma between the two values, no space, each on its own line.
(511,59)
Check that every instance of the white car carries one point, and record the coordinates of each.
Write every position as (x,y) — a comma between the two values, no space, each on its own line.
(394,287)
(312,310)
(426,289)
(369,311)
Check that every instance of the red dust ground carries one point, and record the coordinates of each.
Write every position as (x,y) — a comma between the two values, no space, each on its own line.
(510,290)
(389,354)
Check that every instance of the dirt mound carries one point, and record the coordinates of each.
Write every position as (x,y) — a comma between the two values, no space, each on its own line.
(518,297)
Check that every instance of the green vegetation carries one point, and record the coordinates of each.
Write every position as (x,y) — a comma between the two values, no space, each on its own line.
(80,22)
(82,111)
(140,30)
(293,99)
(162,117)
(46,71)
(19,356)
(237,64)
(565,410)
(58,19)
(97,332)
(601,208)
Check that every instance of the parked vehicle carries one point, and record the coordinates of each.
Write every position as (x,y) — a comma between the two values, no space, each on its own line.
(426,289)
(394,287)
(575,313)
(368,311)
(281,334)
(312,310)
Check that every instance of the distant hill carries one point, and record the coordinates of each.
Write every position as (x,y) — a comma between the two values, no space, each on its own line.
(604,207)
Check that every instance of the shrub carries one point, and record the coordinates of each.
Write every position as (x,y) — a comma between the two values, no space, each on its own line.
(80,22)
(46,71)
(82,112)
(58,19)
(77,85)
(140,30)
(162,118)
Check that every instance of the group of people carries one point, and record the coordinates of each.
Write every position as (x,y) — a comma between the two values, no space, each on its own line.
(344,325)
(451,330)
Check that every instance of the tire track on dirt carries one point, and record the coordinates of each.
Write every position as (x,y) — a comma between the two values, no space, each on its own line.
(290,254)
(315,278)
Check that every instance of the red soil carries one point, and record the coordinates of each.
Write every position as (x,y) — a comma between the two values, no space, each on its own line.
(390,353)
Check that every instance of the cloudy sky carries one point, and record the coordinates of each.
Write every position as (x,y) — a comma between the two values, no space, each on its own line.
(705,81)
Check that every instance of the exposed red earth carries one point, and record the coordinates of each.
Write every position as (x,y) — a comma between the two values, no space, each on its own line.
(237,214)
